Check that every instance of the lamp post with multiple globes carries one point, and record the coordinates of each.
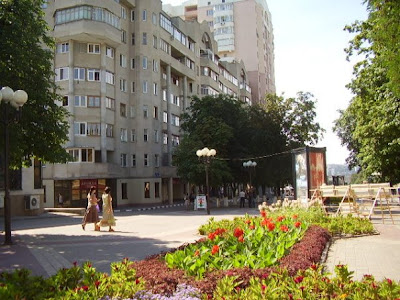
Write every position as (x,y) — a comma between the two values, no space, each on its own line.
(205,155)
(16,100)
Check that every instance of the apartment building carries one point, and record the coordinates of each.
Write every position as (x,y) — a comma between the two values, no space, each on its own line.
(127,72)
(243,31)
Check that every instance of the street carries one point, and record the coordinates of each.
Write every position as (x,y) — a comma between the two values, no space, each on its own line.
(56,240)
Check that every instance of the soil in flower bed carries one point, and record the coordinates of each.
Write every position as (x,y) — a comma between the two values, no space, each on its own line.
(162,280)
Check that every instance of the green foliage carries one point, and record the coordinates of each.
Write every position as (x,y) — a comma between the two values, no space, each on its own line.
(26,56)
(309,284)
(370,126)
(255,242)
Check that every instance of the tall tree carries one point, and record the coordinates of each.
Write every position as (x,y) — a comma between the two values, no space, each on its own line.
(370,126)
(26,55)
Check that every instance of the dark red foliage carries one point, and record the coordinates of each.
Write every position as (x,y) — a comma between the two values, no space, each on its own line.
(160,279)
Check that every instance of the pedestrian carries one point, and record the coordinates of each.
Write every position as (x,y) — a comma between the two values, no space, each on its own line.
(242,196)
(108,215)
(91,214)
(187,200)
(60,200)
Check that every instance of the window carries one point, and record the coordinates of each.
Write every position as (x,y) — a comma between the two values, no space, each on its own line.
(123,160)
(79,73)
(94,129)
(144,15)
(110,78)
(109,130)
(132,86)
(175,140)
(132,63)
(122,110)
(124,190)
(80,128)
(133,39)
(154,41)
(44,5)
(63,48)
(156,160)
(145,111)
(80,101)
(165,117)
(93,101)
(146,160)
(133,135)
(122,60)
(164,93)
(155,65)
(123,12)
(82,155)
(156,136)
(123,36)
(93,74)
(65,101)
(155,88)
(145,135)
(154,19)
(62,73)
(132,111)
(122,85)
(110,103)
(174,120)
(156,189)
(155,112)
(124,135)
(144,87)
(144,62)
(109,52)
(144,38)
(165,138)
(147,189)
(37,174)
(132,15)
(93,48)
(133,160)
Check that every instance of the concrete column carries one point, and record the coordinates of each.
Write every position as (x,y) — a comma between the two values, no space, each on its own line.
(71,93)
(185,103)
(170,190)
(103,88)
(169,144)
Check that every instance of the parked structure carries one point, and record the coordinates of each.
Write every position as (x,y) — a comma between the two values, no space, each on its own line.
(243,30)
(127,72)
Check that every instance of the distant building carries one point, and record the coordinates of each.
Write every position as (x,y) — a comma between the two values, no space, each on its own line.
(127,71)
(243,30)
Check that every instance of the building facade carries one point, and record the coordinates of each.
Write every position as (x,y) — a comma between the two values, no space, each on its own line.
(127,71)
(243,31)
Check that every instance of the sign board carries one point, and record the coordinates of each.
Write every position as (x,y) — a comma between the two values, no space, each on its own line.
(200,202)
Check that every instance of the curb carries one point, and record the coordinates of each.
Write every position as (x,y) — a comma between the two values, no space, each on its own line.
(148,208)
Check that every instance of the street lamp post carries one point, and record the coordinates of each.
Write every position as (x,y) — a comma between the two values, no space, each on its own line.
(16,99)
(205,155)
(250,165)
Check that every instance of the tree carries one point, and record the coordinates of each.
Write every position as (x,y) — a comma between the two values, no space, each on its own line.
(26,56)
(370,126)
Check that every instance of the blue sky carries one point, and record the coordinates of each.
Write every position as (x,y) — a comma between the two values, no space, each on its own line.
(309,57)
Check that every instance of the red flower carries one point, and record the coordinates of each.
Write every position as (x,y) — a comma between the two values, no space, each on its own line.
(197,252)
(297,224)
(263,214)
(294,217)
(298,279)
(241,239)
(271,226)
(75,263)
(85,287)
(314,267)
(137,281)
(219,231)
(252,227)
(97,283)
(214,249)
(212,235)
(284,228)
(389,281)
(264,222)
(280,218)
(238,232)
(263,287)
(248,221)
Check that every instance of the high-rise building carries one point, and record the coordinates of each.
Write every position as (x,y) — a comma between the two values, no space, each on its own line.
(243,30)
(127,71)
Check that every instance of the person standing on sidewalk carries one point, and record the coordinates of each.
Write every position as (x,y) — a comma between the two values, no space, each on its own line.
(108,215)
(242,196)
(91,214)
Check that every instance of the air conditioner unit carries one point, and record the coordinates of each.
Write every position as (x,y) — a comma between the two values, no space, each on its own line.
(33,202)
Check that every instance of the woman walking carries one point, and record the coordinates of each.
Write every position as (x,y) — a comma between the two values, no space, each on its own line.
(91,214)
(108,215)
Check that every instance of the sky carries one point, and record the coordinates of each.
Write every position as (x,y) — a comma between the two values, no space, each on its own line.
(309,57)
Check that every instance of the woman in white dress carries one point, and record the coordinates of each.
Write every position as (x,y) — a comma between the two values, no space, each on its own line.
(108,215)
